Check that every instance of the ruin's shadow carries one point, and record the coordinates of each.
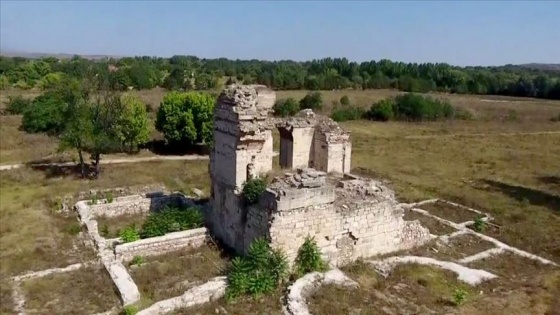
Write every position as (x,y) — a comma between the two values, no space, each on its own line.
(553,181)
(520,193)
(159,147)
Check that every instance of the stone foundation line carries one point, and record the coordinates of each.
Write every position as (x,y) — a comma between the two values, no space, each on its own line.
(303,287)
(126,287)
(496,242)
(46,272)
(485,254)
(465,274)
(207,292)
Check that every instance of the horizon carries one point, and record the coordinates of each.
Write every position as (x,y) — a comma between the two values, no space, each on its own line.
(457,33)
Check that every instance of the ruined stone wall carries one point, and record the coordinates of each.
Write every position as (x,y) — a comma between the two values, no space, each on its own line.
(161,244)
(137,204)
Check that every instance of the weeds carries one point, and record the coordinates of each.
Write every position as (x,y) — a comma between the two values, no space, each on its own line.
(109,197)
(459,296)
(104,230)
(309,258)
(130,310)
(479,224)
(260,272)
(137,261)
(171,219)
(73,228)
(130,234)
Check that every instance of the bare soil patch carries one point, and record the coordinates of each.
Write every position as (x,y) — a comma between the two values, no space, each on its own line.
(111,227)
(449,212)
(84,291)
(170,275)
(435,227)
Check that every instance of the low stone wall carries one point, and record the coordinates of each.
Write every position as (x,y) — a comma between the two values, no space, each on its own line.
(161,244)
(138,204)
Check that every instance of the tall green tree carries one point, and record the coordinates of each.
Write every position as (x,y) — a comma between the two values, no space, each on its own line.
(133,127)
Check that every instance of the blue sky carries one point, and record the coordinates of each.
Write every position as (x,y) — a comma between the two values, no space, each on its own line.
(461,33)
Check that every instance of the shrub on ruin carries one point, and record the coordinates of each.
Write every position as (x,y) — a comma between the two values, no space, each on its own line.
(171,219)
(382,110)
(347,113)
(252,190)
(16,105)
(286,107)
(129,234)
(309,258)
(313,100)
(260,272)
(344,100)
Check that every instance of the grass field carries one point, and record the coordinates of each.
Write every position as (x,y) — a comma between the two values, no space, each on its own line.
(503,163)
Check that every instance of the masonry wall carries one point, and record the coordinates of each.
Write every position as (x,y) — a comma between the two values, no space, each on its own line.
(345,233)
(162,244)
(302,147)
(137,204)
(339,157)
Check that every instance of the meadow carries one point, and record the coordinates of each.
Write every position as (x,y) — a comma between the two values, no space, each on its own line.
(506,161)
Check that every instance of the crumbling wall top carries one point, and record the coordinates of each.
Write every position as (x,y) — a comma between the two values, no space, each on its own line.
(358,189)
(301,178)
(253,100)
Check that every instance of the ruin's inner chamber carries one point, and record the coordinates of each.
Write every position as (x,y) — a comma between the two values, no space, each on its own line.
(349,216)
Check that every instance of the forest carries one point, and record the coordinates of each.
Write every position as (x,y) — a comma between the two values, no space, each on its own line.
(193,73)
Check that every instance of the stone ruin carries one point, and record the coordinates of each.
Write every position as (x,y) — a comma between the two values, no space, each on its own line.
(349,216)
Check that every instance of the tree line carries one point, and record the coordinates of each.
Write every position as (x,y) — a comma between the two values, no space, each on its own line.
(193,73)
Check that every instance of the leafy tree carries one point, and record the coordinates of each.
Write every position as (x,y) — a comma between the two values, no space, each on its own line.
(186,117)
(51,80)
(133,127)
(313,100)
(286,107)
(17,105)
(45,114)
(382,110)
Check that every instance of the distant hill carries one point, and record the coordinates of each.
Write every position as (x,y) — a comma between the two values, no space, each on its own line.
(58,56)
(542,66)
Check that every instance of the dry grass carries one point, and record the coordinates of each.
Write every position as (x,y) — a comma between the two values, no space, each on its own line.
(33,238)
(170,275)
(111,227)
(410,289)
(435,227)
(269,305)
(85,291)
(449,212)
(6,302)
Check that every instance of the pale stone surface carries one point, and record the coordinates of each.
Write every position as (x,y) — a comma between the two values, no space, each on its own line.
(349,216)
(485,254)
(207,292)
(138,204)
(162,244)
(300,290)
(465,274)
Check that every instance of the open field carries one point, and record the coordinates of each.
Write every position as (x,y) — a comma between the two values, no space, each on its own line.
(508,168)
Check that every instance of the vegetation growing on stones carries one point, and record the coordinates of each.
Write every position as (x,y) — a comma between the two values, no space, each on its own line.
(137,260)
(260,272)
(171,219)
(252,190)
(479,224)
(309,258)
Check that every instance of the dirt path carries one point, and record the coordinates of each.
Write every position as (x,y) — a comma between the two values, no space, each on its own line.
(116,161)
(504,134)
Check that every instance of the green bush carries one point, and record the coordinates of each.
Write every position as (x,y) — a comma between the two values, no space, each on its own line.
(382,110)
(479,224)
(313,100)
(347,113)
(252,190)
(344,100)
(260,272)
(130,234)
(171,219)
(415,107)
(309,258)
(45,114)
(463,114)
(109,197)
(286,107)
(73,229)
(17,105)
